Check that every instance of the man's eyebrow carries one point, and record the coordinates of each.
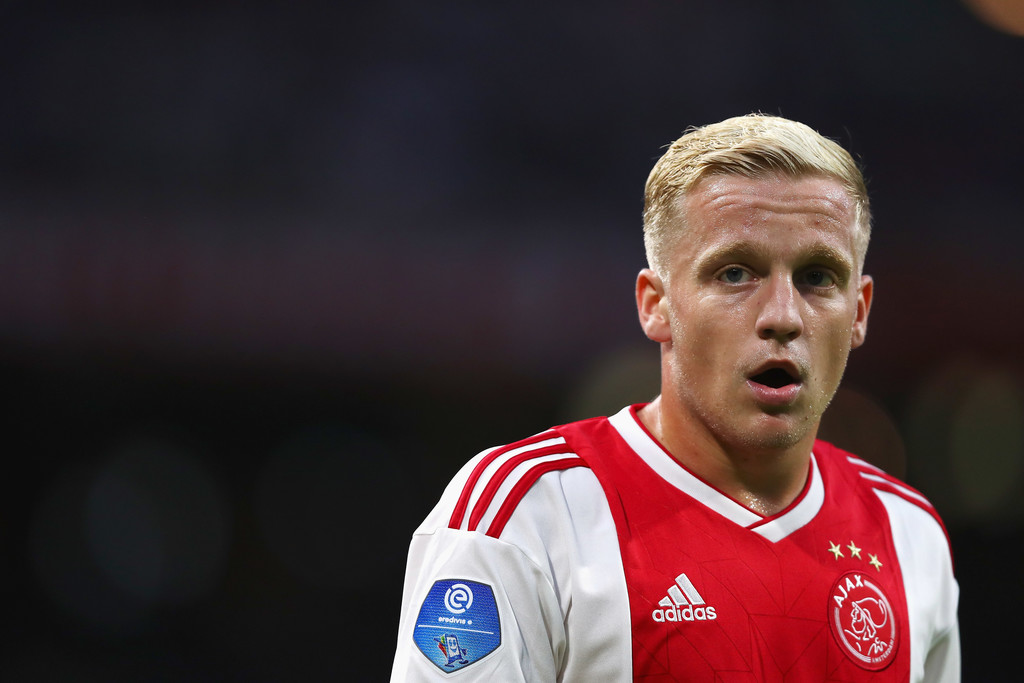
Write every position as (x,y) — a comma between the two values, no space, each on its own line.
(731,251)
(817,254)
(825,255)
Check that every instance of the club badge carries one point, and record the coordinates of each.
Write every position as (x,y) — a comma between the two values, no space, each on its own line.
(863,621)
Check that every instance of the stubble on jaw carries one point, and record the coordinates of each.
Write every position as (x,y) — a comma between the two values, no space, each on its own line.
(760,440)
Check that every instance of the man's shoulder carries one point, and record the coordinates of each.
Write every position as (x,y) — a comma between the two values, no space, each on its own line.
(487,491)
(867,473)
(873,479)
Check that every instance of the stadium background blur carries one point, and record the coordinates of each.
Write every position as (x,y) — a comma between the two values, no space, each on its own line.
(271,275)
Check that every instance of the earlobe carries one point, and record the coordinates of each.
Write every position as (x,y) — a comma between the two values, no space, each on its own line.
(860,323)
(651,306)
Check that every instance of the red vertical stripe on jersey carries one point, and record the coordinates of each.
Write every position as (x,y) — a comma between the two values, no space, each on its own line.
(460,507)
(523,485)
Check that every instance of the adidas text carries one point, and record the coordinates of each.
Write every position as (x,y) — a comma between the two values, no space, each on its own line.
(683,603)
(685,614)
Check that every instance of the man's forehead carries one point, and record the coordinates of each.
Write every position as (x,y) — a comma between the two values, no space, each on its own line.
(779,193)
(731,200)
(727,208)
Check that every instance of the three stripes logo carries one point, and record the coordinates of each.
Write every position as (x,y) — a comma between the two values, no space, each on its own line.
(683,603)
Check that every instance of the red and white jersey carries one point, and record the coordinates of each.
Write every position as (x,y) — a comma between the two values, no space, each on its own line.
(588,553)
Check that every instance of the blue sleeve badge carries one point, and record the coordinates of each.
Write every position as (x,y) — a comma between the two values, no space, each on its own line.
(458,624)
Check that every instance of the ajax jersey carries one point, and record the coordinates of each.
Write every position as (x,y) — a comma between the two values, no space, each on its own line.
(588,553)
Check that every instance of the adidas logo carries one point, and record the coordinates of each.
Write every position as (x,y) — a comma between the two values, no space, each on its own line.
(683,603)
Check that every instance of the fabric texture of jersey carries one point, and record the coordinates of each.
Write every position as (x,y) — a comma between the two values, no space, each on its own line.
(610,561)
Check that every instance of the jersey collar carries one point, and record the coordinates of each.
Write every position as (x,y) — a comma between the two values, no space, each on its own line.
(774,528)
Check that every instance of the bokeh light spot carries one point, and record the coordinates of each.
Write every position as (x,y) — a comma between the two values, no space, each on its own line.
(156,523)
(857,423)
(965,442)
(623,376)
(987,444)
(1004,15)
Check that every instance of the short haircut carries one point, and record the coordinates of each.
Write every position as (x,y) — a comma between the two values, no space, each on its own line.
(752,146)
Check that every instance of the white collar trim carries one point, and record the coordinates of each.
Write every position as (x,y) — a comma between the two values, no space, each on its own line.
(668,468)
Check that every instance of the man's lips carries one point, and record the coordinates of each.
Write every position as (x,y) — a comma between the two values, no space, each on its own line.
(776,382)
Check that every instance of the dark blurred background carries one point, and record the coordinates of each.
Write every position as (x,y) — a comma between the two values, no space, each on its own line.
(269,275)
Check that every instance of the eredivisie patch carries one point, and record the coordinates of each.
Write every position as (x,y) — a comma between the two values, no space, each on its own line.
(458,624)
(863,621)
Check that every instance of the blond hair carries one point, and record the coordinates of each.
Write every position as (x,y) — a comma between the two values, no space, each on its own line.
(753,146)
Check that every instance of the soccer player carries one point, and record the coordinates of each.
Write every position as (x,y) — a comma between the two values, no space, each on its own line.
(706,535)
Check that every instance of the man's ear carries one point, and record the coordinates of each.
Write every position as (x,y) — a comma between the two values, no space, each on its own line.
(652,306)
(860,323)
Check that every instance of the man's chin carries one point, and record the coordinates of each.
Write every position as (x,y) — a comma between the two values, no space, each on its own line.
(778,433)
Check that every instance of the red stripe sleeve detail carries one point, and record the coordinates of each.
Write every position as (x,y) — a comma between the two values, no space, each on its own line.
(498,478)
(902,489)
(460,507)
(523,485)
(927,507)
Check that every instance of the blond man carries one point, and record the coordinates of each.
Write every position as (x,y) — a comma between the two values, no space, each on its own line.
(707,535)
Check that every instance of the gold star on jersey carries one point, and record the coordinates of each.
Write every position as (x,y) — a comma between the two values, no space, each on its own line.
(855,554)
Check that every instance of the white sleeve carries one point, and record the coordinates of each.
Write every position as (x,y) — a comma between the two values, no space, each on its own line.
(532,637)
(557,582)
(932,591)
(942,664)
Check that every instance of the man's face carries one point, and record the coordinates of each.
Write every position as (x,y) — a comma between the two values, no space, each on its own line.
(763,304)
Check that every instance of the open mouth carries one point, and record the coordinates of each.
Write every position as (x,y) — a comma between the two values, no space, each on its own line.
(776,378)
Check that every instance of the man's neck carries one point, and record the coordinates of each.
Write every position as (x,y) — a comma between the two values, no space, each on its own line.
(765,481)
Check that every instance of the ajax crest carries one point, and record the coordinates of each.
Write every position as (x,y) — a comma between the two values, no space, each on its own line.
(863,621)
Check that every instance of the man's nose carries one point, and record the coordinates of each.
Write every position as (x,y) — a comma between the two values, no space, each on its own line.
(779,316)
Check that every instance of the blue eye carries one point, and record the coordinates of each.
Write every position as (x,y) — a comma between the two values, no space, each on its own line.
(818,278)
(734,275)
